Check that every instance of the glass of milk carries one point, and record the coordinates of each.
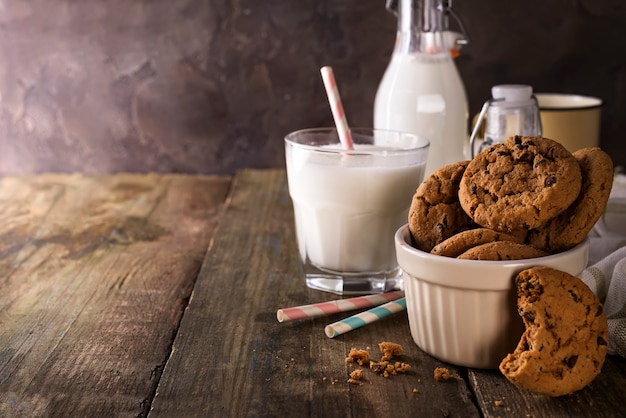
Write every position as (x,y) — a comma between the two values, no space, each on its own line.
(348,204)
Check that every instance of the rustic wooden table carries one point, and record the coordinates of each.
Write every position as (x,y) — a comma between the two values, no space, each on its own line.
(156,295)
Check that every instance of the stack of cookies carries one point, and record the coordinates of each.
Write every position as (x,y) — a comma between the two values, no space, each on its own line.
(525,198)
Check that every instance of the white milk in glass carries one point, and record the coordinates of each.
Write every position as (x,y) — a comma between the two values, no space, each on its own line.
(348,208)
(424,94)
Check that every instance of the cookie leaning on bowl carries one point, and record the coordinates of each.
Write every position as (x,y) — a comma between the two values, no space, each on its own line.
(519,184)
(565,342)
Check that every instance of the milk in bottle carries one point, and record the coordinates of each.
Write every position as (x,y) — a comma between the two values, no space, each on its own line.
(421,91)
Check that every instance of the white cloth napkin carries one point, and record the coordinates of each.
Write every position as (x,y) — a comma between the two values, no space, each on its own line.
(606,271)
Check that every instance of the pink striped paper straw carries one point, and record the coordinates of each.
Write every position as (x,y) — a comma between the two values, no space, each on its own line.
(342,305)
(361,319)
(336,107)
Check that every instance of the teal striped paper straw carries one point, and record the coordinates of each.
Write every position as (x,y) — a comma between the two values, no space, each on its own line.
(361,319)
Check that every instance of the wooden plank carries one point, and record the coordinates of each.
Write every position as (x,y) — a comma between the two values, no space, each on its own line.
(604,397)
(232,358)
(95,273)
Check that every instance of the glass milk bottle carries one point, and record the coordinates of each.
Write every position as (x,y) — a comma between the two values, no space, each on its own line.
(421,91)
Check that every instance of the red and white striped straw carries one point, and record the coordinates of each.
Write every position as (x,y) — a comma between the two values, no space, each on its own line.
(342,305)
(336,107)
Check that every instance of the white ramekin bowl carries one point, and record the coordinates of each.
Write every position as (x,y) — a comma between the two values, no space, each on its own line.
(464,312)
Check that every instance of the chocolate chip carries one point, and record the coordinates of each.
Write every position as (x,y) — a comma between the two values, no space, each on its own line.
(574,295)
(599,310)
(550,180)
(550,154)
(601,341)
(538,162)
(530,289)
(571,361)
(530,316)
(473,188)
(378,368)
(517,139)
(526,157)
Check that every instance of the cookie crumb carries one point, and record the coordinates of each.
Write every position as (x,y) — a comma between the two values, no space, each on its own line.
(380,368)
(361,357)
(497,403)
(355,376)
(402,367)
(386,369)
(389,350)
(416,390)
(442,374)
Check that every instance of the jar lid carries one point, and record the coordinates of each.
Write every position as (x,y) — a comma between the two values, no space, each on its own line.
(512,92)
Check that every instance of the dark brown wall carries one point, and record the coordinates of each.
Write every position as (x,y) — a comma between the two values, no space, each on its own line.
(211,86)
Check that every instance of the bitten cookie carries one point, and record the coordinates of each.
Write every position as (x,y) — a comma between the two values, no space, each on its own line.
(435,213)
(564,345)
(519,184)
(463,241)
(572,226)
(502,250)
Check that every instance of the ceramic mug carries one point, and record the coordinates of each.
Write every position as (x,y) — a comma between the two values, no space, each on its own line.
(571,119)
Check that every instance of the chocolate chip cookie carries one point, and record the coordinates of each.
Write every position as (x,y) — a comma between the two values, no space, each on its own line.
(519,184)
(463,241)
(564,345)
(435,213)
(572,226)
(502,250)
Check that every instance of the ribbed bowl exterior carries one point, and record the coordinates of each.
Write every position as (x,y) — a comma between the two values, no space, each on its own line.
(464,312)
(474,328)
